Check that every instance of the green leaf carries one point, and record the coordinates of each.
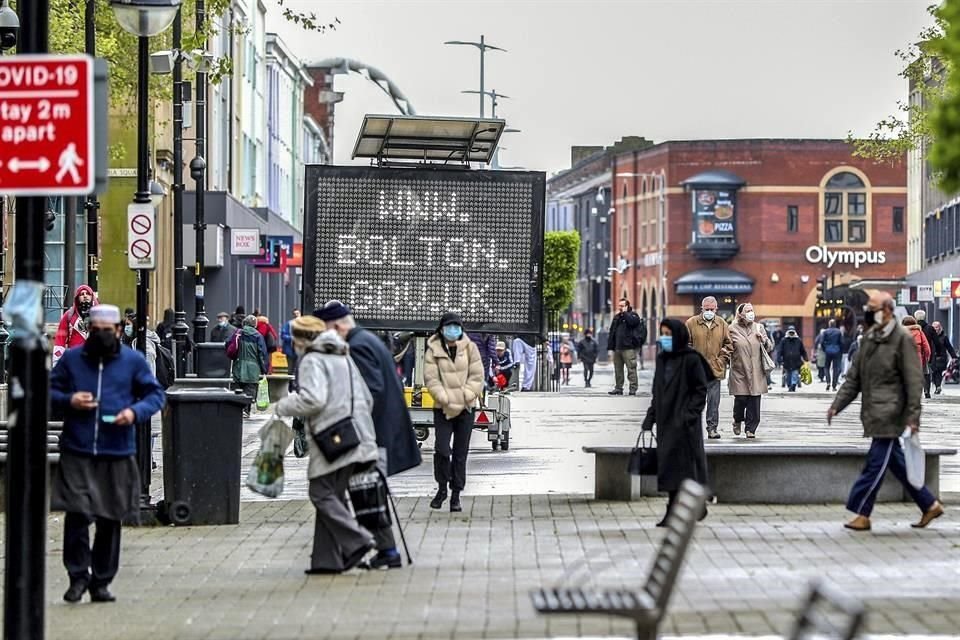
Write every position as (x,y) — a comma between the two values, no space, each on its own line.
(561,255)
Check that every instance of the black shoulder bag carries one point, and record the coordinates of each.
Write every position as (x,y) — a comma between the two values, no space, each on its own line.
(643,457)
(342,436)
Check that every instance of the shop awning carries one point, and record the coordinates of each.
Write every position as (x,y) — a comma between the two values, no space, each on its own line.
(708,281)
(717,178)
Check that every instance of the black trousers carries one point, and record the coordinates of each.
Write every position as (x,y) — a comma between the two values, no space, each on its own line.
(746,409)
(79,558)
(588,372)
(450,466)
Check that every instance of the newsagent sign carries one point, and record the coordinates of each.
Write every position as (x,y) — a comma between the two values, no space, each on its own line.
(402,246)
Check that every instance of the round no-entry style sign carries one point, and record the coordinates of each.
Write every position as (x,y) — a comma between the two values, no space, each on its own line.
(141,236)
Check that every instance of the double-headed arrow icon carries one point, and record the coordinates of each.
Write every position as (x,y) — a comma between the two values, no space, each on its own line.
(16,165)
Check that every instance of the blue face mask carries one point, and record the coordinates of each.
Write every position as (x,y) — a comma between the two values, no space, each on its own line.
(128,330)
(452,332)
(666,343)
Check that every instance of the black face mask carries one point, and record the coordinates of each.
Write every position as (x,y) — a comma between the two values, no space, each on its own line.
(102,343)
(84,307)
(869,317)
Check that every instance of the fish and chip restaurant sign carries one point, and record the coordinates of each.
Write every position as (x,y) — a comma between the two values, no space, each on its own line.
(823,255)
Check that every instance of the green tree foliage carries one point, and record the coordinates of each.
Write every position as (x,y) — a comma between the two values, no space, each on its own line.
(561,253)
(945,117)
(924,68)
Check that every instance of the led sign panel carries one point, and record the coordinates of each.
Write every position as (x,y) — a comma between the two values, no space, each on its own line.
(402,246)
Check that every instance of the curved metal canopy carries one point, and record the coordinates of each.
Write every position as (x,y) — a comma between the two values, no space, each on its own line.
(374,75)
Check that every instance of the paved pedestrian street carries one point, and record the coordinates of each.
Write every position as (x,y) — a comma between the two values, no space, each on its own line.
(529,520)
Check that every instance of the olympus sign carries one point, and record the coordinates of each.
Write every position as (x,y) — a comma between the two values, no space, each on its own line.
(821,254)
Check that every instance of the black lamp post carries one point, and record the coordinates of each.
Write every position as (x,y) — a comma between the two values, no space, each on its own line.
(92,205)
(143,18)
(180,326)
(198,171)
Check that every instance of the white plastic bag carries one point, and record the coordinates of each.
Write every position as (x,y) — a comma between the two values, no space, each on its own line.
(914,457)
(266,474)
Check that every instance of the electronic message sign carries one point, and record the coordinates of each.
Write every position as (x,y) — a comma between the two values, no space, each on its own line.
(402,246)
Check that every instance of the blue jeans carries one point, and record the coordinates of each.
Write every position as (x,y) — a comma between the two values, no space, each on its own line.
(885,453)
(792,377)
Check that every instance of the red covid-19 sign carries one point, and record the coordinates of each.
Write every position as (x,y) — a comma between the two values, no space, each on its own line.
(46,125)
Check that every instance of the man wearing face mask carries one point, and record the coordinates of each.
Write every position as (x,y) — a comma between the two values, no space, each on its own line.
(888,374)
(224,330)
(454,375)
(748,380)
(72,330)
(710,337)
(104,390)
(397,444)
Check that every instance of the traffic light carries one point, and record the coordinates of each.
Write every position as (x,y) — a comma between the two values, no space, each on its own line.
(821,287)
(49,220)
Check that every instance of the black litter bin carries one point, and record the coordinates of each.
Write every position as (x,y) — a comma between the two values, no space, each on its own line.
(202,439)
(212,360)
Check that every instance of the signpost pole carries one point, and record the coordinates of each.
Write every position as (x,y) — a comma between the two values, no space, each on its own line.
(92,205)
(198,171)
(142,196)
(180,326)
(26,482)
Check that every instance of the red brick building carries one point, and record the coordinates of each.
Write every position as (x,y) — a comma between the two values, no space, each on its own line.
(759,221)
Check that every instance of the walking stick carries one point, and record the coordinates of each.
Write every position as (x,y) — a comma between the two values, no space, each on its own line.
(396,516)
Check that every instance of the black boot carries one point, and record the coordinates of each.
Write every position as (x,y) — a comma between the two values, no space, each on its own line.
(455,502)
(78,587)
(438,499)
(101,594)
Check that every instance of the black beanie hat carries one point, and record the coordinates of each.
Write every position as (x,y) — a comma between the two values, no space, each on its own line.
(449,317)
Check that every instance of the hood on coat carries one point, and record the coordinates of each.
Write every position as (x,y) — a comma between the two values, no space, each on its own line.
(329,342)
(681,337)
(437,344)
(84,288)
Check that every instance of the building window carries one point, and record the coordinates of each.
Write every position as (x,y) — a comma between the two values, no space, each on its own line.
(898,219)
(793,218)
(845,209)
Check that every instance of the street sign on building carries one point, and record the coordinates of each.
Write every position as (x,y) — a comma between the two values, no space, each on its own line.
(141,236)
(244,242)
(924,293)
(46,125)
(955,289)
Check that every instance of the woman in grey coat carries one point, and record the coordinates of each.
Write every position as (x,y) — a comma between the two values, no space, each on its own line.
(747,380)
(328,385)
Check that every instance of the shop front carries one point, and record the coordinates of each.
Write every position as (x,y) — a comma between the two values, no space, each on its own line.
(729,287)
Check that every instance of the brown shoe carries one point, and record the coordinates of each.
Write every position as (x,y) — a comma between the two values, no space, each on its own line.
(929,516)
(860,523)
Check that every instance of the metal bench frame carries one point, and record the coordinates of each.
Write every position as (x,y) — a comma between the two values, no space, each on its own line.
(648,606)
(812,623)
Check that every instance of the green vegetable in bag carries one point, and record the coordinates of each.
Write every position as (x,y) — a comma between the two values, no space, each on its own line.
(263,395)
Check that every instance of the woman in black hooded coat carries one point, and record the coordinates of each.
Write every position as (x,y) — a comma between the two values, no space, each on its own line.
(679,396)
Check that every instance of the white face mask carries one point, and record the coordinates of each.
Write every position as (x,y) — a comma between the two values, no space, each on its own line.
(749,315)
(709,315)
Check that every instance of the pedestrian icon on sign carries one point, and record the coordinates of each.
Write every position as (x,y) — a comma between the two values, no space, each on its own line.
(68,163)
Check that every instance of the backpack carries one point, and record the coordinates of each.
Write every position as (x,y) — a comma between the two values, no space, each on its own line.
(640,334)
(166,367)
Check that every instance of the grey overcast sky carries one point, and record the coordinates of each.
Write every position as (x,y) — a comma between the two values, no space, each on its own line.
(584,72)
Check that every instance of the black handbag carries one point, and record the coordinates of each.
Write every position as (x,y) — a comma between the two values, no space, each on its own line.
(341,437)
(643,458)
(369,495)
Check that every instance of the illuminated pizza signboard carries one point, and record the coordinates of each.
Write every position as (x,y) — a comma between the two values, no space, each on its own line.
(402,246)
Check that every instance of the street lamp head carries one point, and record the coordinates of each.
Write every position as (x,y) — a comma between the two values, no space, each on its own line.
(145,17)
(197,167)
(600,197)
(157,193)
(9,26)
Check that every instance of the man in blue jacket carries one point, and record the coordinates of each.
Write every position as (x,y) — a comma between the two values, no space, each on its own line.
(391,419)
(104,390)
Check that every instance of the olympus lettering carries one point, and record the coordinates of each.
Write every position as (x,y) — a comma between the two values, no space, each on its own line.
(823,255)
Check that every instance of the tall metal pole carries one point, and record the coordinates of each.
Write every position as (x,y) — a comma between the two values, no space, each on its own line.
(142,196)
(180,327)
(92,205)
(483,50)
(661,237)
(70,248)
(198,170)
(26,482)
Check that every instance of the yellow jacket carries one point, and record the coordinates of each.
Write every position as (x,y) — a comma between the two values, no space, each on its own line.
(712,341)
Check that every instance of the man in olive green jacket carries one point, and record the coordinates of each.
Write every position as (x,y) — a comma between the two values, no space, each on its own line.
(886,371)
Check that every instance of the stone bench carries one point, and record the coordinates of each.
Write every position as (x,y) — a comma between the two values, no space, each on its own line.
(278,386)
(761,473)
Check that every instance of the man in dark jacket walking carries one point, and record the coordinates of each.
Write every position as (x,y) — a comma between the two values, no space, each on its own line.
(793,354)
(391,419)
(223,330)
(623,343)
(587,351)
(942,351)
(832,344)
(104,390)
(887,374)
(921,317)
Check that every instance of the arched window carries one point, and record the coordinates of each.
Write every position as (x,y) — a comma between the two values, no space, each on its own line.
(845,209)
